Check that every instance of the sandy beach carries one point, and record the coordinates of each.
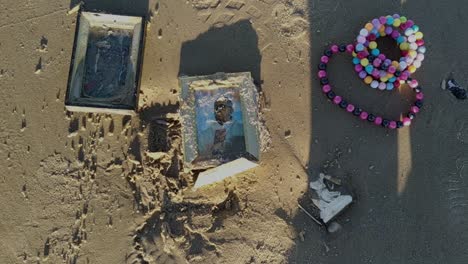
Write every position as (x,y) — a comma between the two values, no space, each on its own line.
(104,188)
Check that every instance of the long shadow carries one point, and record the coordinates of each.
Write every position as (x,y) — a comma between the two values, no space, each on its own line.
(232,48)
(382,225)
(400,215)
(437,189)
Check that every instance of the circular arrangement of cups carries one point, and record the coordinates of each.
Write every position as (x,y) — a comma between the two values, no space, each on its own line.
(357,111)
(373,67)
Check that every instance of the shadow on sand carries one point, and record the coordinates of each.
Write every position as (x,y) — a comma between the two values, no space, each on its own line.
(410,202)
(118,7)
(229,49)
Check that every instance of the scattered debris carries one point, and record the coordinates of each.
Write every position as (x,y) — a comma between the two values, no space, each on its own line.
(310,215)
(224,171)
(330,202)
(301,235)
(457,91)
(334,180)
(75,9)
(327,249)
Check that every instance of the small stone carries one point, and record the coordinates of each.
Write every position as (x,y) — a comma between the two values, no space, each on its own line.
(333,227)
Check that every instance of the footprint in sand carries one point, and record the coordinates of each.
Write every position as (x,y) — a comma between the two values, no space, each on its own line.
(222,19)
(38,66)
(23,121)
(235,4)
(23,125)
(110,130)
(456,192)
(461,205)
(45,104)
(101,134)
(462,166)
(43,44)
(254,12)
(205,4)
(73,127)
(156,8)
(289,20)
(219,14)
(83,123)
(160,33)
(295,28)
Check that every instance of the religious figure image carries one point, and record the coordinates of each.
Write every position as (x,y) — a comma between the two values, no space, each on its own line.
(220,129)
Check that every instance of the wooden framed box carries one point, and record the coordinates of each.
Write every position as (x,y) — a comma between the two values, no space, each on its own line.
(220,124)
(105,68)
